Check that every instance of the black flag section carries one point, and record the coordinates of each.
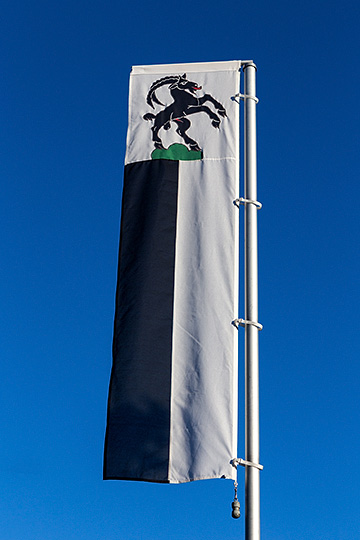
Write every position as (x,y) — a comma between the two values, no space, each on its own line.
(138,422)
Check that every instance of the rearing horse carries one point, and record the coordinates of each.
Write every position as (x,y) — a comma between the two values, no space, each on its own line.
(185,103)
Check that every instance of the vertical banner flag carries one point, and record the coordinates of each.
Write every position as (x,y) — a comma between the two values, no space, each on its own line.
(172,409)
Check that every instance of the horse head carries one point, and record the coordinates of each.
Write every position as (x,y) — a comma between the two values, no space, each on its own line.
(184,84)
(175,82)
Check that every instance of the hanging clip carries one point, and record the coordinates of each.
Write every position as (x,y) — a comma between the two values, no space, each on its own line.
(243,201)
(244,322)
(239,461)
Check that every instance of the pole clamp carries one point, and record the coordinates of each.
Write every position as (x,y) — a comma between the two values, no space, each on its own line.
(239,461)
(245,322)
(243,201)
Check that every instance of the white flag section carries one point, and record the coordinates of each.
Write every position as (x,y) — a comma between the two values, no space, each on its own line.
(172,409)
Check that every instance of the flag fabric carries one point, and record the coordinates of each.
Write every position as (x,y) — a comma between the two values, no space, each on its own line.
(172,407)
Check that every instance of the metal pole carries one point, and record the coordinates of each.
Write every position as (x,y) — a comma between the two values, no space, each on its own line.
(252,474)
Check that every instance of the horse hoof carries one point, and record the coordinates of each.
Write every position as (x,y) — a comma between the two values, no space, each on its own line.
(195,148)
(159,146)
(222,113)
(216,123)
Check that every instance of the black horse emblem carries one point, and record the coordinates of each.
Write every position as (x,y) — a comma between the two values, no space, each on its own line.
(185,103)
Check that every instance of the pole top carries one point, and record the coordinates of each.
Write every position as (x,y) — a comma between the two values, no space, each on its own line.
(248,63)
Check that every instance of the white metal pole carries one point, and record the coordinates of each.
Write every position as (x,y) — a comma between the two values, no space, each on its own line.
(252,474)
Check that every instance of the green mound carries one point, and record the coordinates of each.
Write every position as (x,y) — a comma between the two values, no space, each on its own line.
(176,152)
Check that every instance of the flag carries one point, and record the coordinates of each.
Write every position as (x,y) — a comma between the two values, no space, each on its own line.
(172,406)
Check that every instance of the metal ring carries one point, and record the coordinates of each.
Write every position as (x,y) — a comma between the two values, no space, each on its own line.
(246,96)
(243,201)
(239,461)
(244,322)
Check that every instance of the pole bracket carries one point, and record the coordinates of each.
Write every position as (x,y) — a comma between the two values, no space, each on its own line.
(245,322)
(243,201)
(239,461)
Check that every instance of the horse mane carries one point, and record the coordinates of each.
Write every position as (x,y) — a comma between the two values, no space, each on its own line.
(151,97)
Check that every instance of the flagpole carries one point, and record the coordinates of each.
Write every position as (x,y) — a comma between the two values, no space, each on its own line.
(252,473)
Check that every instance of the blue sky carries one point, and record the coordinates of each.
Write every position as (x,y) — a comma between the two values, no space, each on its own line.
(63,107)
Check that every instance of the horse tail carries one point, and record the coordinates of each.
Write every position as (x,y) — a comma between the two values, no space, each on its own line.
(149,116)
